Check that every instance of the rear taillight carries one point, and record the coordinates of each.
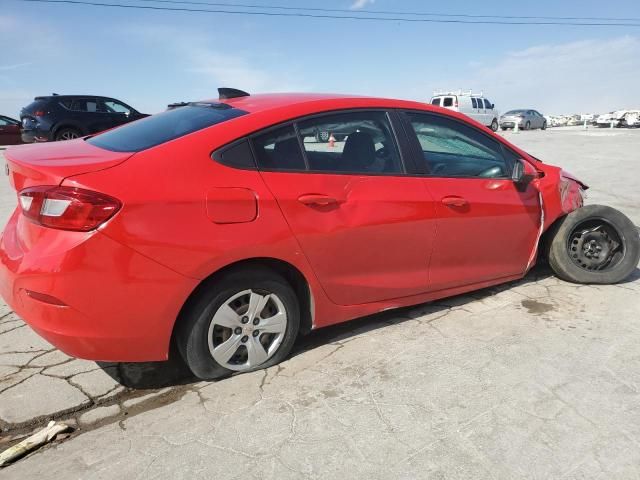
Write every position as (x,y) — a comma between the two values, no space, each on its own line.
(38,113)
(67,208)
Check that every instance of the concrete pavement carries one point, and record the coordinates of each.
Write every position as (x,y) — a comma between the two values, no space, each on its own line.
(533,379)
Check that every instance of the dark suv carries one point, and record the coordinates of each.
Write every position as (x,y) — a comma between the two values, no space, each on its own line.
(63,117)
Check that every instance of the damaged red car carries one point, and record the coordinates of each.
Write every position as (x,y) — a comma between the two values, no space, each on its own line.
(232,226)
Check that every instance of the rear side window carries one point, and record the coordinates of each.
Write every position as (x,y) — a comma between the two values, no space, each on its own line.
(163,127)
(279,150)
(354,142)
(448,102)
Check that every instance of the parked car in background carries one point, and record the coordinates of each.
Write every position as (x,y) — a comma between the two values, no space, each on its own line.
(9,131)
(472,105)
(224,228)
(526,120)
(606,119)
(65,117)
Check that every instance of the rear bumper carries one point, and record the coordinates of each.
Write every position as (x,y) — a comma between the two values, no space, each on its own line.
(32,136)
(88,295)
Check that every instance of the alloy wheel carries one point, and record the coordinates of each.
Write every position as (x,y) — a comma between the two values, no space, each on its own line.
(247,329)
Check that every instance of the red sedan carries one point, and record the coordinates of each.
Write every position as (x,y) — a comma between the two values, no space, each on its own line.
(232,226)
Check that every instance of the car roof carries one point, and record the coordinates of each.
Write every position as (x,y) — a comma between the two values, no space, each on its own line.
(309,102)
(51,97)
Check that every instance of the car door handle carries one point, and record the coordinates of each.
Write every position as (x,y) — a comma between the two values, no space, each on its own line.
(317,199)
(455,202)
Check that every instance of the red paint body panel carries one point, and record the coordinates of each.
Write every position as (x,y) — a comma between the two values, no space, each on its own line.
(373,244)
(231,205)
(388,241)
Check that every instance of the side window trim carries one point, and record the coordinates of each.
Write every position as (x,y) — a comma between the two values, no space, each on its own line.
(418,152)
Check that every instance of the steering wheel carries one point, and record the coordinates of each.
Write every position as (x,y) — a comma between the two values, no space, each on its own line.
(492,172)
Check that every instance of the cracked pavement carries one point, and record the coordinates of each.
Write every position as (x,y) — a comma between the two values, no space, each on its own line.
(532,379)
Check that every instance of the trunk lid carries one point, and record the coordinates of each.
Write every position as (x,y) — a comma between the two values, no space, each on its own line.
(51,163)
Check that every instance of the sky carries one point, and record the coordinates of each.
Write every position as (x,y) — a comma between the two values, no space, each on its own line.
(152,58)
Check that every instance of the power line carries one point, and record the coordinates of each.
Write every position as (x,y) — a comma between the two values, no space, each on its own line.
(337,17)
(387,12)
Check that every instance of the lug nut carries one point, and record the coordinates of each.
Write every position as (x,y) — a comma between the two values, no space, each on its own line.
(256,333)
(237,331)
(256,321)
(245,319)
(244,339)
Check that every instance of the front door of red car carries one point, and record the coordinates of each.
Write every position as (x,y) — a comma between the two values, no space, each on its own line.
(366,228)
(487,225)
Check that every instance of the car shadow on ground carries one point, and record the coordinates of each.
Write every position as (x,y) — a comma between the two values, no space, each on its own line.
(173,372)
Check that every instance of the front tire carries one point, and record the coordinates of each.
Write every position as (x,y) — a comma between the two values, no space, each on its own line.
(594,244)
(494,125)
(245,320)
(544,126)
(527,126)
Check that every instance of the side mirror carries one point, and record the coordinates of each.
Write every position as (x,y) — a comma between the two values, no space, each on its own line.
(517,175)
(493,105)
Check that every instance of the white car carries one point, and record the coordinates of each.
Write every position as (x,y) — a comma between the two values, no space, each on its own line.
(606,119)
(473,105)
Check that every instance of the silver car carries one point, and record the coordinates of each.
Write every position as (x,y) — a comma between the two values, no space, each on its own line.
(526,119)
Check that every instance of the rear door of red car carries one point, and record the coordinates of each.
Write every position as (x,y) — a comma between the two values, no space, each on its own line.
(366,227)
(487,225)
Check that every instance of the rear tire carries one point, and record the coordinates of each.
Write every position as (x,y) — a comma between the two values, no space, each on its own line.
(593,244)
(544,126)
(216,336)
(67,134)
(494,125)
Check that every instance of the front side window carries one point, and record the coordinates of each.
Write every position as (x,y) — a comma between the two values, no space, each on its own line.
(435,101)
(453,149)
(448,102)
(487,104)
(163,127)
(354,142)
(111,106)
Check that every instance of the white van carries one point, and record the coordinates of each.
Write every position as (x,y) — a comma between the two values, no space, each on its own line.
(471,104)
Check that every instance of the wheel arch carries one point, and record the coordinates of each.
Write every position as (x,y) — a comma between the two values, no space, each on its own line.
(289,272)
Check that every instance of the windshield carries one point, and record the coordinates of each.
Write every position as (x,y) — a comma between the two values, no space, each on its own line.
(151,131)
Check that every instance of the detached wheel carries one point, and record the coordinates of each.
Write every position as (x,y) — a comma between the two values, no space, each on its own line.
(67,134)
(246,320)
(594,244)
(494,125)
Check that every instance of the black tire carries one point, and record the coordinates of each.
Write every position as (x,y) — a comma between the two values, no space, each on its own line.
(544,125)
(527,126)
(494,125)
(503,128)
(67,133)
(572,239)
(192,330)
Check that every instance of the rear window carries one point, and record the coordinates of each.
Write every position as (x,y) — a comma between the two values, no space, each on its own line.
(151,131)
(35,105)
